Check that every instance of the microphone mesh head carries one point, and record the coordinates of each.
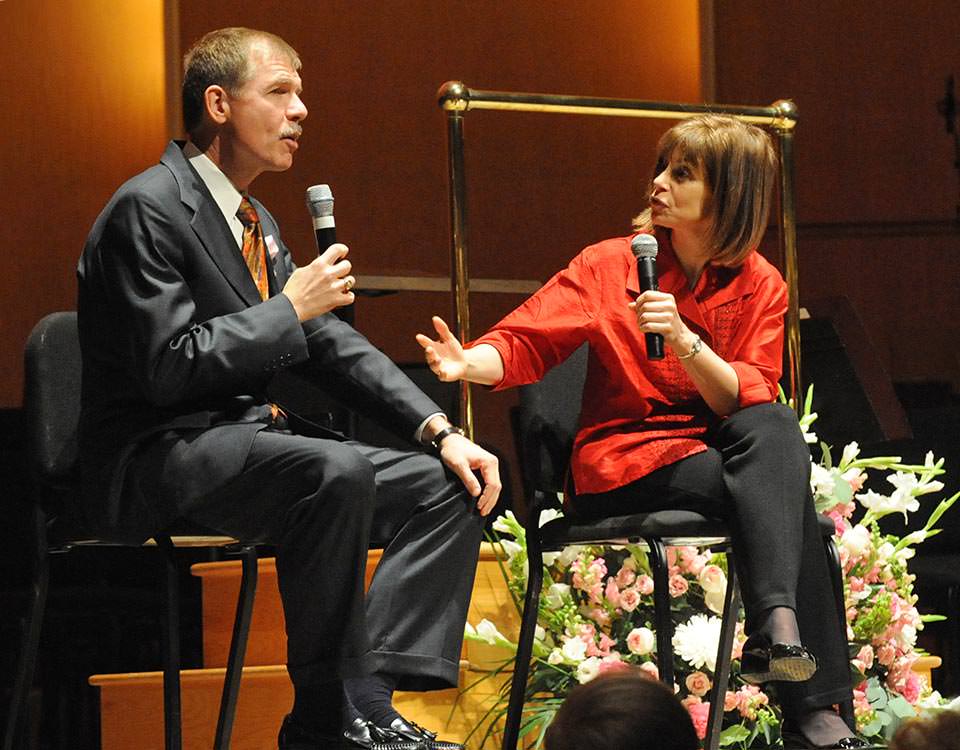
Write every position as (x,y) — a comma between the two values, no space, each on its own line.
(644,246)
(320,201)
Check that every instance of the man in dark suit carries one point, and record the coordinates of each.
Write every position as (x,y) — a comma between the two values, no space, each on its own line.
(187,311)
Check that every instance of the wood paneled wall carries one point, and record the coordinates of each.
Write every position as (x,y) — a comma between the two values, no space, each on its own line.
(540,187)
(83,109)
(876,187)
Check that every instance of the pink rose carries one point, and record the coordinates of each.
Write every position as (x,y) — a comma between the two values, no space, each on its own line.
(678,585)
(612,592)
(651,669)
(641,641)
(698,683)
(612,663)
(606,643)
(629,600)
(699,714)
(712,578)
(645,585)
(730,701)
(865,656)
(626,575)
(912,688)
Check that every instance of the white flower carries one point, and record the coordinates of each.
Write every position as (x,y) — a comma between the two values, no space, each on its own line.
(822,481)
(539,634)
(511,548)
(696,641)
(884,552)
(488,631)
(556,594)
(850,453)
(900,501)
(856,540)
(503,523)
(714,601)
(549,514)
(555,657)
(549,558)
(907,636)
(588,669)
(569,554)
(573,650)
(805,421)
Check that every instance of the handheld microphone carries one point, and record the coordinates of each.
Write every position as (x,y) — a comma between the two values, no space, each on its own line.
(320,204)
(644,248)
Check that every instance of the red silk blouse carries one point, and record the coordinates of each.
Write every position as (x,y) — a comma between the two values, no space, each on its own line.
(638,414)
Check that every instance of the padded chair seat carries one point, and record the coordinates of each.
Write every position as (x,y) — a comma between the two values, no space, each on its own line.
(674,527)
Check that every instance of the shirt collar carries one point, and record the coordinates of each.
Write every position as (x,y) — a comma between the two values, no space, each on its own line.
(715,286)
(225,195)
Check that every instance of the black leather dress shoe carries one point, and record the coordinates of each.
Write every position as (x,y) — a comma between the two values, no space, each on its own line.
(793,740)
(295,736)
(772,662)
(367,734)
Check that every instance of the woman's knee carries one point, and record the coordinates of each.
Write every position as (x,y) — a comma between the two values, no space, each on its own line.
(769,423)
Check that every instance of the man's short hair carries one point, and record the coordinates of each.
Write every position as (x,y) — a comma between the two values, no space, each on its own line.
(222,58)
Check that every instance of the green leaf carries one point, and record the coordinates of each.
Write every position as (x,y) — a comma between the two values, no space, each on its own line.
(874,727)
(901,708)
(731,735)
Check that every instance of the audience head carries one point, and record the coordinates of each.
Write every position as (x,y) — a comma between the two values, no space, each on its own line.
(938,731)
(738,165)
(222,58)
(623,710)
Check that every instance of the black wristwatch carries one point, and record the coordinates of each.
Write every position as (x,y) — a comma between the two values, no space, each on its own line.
(444,433)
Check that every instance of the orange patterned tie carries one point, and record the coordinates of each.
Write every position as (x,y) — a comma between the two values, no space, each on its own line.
(254,248)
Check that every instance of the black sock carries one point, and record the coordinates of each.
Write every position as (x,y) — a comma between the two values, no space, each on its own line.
(319,707)
(372,697)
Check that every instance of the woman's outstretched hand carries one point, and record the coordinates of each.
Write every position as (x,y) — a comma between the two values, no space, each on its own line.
(445,355)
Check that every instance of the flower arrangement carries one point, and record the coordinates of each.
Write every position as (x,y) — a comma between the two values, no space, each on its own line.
(596,609)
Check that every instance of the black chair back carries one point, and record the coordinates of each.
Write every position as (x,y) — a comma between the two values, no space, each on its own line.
(51,401)
(547,423)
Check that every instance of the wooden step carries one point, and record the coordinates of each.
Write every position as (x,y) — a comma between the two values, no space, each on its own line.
(131,707)
(267,643)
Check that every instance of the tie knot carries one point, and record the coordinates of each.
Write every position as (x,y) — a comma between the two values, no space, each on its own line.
(247,213)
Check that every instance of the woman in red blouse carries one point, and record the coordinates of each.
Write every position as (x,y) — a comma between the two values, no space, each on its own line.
(698,428)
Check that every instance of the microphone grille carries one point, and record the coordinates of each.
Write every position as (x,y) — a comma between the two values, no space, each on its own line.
(644,246)
(320,200)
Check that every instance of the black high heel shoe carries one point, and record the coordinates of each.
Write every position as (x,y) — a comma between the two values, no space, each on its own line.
(796,740)
(772,662)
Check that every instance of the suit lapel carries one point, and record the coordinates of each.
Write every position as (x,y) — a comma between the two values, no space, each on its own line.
(209,226)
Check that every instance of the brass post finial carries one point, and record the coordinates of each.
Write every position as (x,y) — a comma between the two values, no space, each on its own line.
(787,114)
(453,95)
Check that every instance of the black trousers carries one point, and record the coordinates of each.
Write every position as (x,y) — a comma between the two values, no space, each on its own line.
(323,503)
(755,474)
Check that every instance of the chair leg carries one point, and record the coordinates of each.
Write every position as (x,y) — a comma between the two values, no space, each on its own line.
(836,578)
(170,644)
(661,609)
(238,647)
(528,628)
(721,672)
(31,632)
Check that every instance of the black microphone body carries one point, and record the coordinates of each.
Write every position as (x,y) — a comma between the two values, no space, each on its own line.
(320,204)
(644,248)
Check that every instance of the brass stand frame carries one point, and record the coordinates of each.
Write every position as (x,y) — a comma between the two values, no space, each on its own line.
(456,100)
